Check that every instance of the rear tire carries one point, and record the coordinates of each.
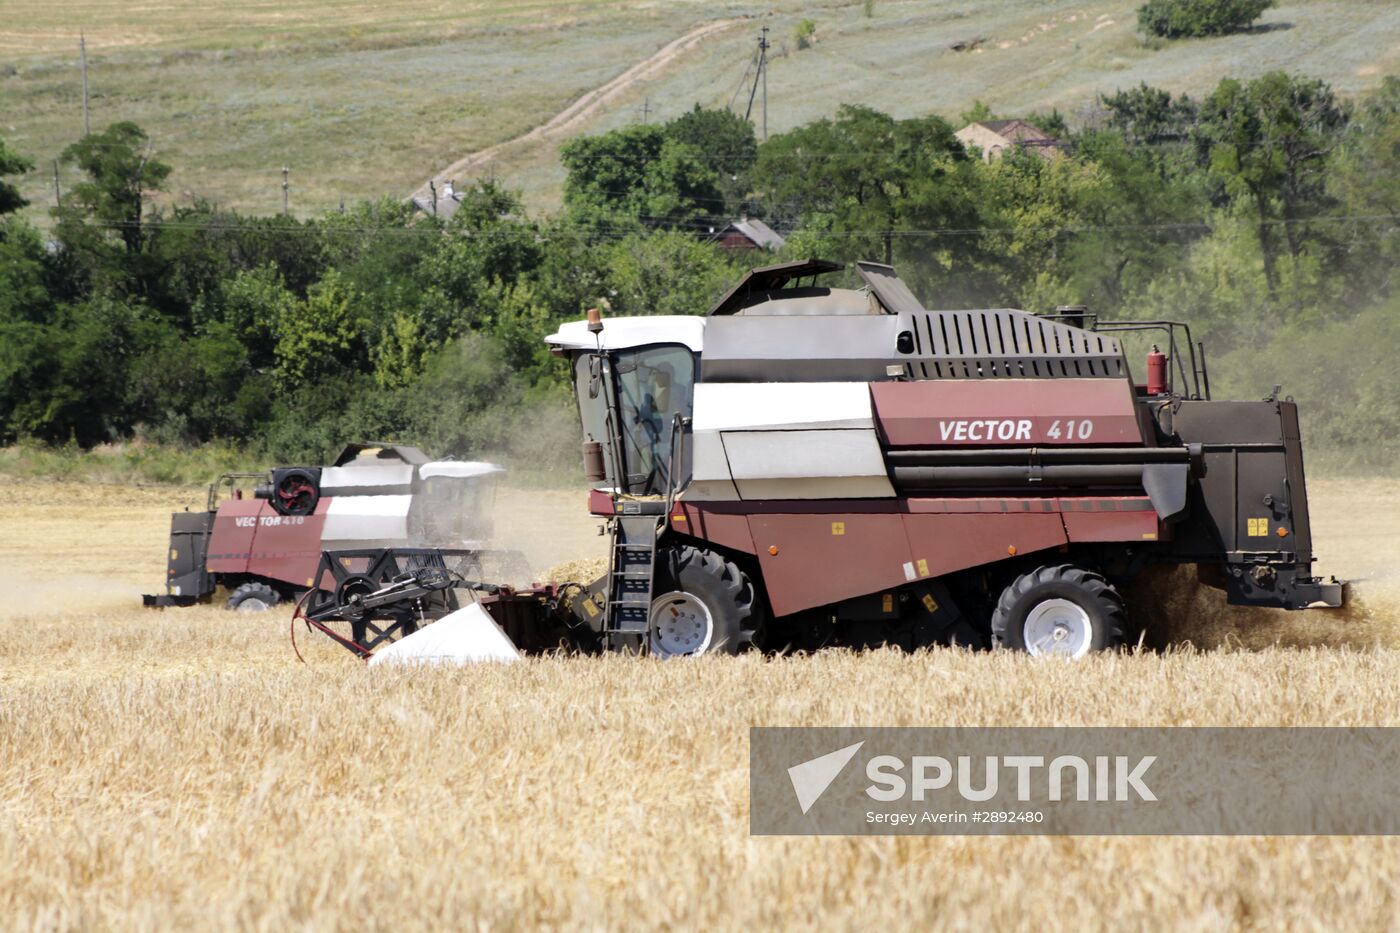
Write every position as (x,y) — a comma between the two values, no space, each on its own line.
(709,606)
(1062,610)
(253,597)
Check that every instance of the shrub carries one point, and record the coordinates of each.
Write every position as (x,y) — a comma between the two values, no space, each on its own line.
(805,31)
(1178,19)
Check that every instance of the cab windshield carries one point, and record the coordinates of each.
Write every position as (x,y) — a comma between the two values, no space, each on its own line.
(648,386)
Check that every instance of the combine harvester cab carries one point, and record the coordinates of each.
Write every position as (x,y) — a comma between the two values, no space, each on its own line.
(808,465)
(268,548)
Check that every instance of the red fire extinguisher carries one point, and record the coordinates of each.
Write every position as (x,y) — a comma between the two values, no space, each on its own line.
(1156,372)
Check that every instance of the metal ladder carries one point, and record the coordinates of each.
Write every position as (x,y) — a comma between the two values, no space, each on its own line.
(631,576)
(632,573)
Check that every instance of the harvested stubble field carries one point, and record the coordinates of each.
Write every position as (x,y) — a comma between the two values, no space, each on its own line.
(181,769)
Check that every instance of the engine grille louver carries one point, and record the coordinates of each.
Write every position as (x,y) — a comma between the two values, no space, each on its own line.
(1006,344)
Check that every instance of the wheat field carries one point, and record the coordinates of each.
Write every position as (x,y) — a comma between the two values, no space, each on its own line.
(182,770)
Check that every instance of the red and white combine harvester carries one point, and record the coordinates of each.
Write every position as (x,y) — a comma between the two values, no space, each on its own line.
(268,548)
(808,465)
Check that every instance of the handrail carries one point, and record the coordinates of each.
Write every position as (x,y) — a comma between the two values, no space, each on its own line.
(1198,377)
(226,479)
(673,489)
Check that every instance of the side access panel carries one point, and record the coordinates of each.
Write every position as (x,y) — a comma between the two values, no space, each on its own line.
(858,548)
(1250,498)
(823,558)
(250,537)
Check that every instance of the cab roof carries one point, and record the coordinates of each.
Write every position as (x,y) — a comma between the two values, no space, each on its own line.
(621,333)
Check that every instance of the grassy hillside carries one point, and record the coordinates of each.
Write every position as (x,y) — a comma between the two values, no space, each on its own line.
(363,99)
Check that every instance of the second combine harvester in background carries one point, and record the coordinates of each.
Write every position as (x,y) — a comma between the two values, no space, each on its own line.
(807,465)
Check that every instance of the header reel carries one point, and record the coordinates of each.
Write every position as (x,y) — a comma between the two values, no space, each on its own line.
(366,597)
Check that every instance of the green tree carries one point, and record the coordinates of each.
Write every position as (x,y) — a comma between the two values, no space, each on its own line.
(682,174)
(185,389)
(11,163)
(1364,182)
(1034,203)
(251,304)
(76,375)
(1053,122)
(980,113)
(606,181)
(1270,141)
(1176,19)
(667,273)
(102,219)
(322,338)
(25,293)
(729,146)
(1139,219)
(399,353)
(864,177)
(1147,115)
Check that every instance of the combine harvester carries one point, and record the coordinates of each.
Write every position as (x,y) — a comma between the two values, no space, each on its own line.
(809,465)
(268,548)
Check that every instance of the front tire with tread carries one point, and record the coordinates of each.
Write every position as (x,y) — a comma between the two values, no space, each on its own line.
(253,597)
(1067,586)
(725,592)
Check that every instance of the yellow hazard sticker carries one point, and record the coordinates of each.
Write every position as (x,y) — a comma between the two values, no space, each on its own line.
(887,603)
(590,607)
(930,603)
(923,567)
(174,554)
(838,528)
(678,518)
(309,581)
(1258,527)
(1149,536)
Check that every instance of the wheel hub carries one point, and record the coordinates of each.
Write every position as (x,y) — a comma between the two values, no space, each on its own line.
(1060,628)
(253,604)
(680,625)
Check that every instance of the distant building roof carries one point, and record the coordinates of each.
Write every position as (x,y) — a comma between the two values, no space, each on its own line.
(1018,130)
(757,234)
(443,206)
(995,136)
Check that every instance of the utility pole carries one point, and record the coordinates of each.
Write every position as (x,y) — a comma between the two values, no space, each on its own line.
(760,77)
(57,194)
(763,69)
(645,110)
(82,55)
(285,186)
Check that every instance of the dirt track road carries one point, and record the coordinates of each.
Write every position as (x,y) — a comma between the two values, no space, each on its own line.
(574,115)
